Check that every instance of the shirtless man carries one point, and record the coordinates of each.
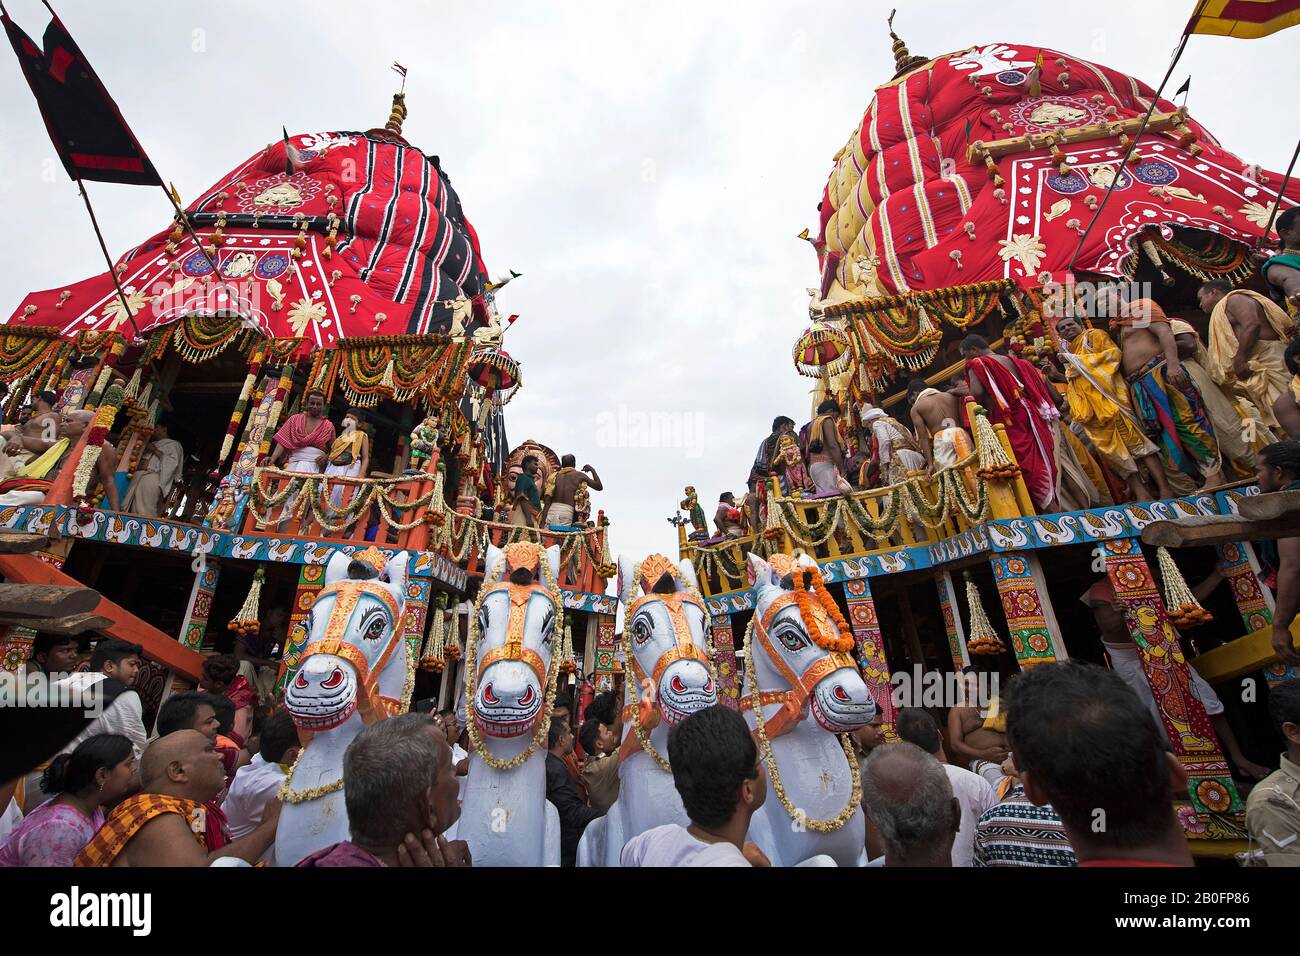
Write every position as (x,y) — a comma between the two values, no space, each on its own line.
(825,455)
(1157,381)
(977,733)
(559,505)
(71,427)
(936,419)
(39,432)
(1282,272)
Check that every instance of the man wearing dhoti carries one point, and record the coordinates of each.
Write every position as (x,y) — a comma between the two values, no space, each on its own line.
(160,466)
(1248,337)
(1236,421)
(305,437)
(526,504)
(937,418)
(560,505)
(893,451)
(1282,271)
(1099,402)
(349,454)
(1165,399)
(1017,397)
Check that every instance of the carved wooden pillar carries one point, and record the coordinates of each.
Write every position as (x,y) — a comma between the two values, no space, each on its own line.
(871,651)
(1183,716)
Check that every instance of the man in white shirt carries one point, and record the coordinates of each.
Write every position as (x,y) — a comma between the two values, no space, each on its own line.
(114,666)
(907,797)
(259,780)
(722,784)
(973,793)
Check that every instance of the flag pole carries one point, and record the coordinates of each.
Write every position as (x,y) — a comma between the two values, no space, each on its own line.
(1281,194)
(1132,146)
(103,247)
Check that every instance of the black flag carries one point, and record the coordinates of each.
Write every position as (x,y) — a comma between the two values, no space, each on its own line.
(84,124)
(1187,85)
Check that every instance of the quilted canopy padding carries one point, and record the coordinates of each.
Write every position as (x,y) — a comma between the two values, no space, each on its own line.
(402,250)
(905,194)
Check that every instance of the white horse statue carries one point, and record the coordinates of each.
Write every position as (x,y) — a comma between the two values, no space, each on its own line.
(354,671)
(505,816)
(799,664)
(669,677)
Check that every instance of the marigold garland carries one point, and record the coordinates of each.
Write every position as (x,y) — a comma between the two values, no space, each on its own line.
(1182,607)
(807,584)
(247,622)
(100,425)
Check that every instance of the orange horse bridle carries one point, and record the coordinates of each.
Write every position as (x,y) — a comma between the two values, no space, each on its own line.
(513,649)
(824,633)
(372,705)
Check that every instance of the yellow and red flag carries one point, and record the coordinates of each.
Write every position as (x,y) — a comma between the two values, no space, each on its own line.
(1244,19)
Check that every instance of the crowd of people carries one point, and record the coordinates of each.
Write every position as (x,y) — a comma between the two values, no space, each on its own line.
(1068,766)
(1133,406)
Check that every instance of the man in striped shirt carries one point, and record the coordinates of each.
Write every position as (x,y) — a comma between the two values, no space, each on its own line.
(1017,833)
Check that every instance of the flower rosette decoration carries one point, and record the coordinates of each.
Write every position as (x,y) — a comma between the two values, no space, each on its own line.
(1190,820)
(1214,795)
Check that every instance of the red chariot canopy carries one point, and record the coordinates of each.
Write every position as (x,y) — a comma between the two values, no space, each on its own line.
(401,250)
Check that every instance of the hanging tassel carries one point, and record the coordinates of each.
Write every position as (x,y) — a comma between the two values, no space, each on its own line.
(133,386)
(993,459)
(434,658)
(983,639)
(387,381)
(567,664)
(1183,608)
(247,622)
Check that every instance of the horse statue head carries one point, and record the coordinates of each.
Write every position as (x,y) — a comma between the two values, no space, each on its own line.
(518,611)
(801,655)
(353,635)
(664,630)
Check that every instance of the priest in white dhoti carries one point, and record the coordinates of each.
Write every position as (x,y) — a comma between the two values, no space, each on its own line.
(160,466)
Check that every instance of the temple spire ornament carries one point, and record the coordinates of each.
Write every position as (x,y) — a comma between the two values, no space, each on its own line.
(903,60)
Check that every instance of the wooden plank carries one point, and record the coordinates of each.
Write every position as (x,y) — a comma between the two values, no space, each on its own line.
(158,646)
(68,626)
(1266,507)
(19,542)
(1218,529)
(46,600)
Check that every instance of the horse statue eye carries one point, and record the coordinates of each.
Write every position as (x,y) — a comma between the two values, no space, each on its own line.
(640,631)
(792,638)
(375,629)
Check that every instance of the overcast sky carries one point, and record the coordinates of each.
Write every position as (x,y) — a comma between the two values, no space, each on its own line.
(647,166)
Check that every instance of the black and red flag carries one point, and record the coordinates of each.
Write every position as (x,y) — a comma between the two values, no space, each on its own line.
(89,133)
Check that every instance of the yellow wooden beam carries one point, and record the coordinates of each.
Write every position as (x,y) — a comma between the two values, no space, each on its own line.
(1241,656)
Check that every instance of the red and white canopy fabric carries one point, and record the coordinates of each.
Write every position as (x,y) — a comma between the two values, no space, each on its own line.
(403,250)
(906,209)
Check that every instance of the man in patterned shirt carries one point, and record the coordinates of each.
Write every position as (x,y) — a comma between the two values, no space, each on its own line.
(1017,833)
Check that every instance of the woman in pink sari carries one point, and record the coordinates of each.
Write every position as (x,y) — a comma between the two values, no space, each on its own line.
(99,772)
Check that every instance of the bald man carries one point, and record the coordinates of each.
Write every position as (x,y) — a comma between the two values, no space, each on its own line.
(163,824)
(909,801)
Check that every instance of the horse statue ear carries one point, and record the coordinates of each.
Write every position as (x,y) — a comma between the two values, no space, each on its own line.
(805,560)
(337,568)
(626,580)
(494,565)
(396,571)
(760,572)
(688,573)
(551,556)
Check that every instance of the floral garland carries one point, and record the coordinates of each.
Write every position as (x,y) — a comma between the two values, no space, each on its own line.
(199,338)
(774,773)
(1181,605)
(983,639)
(377,491)
(23,348)
(241,404)
(402,365)
(434,657)
(98,431)
(277,406)
(808,584)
